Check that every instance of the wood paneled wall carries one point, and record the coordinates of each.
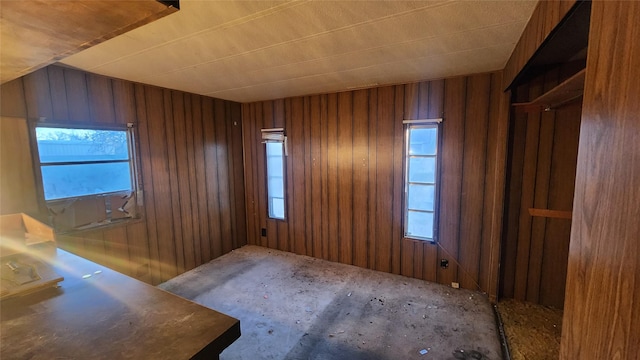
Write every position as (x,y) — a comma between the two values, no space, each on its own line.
(190,168)
(543,148)
(546,16)
(601,317)
(344,177)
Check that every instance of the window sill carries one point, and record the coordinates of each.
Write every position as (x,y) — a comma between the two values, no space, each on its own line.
(420,241)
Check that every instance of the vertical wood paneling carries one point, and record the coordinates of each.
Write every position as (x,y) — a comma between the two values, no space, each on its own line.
(332,157)
(315,145)
(297,171)
(249,178)
(360,177)
(173,207)
(542,161)
(183,149)
(475,145)
(261,199)
(291,246)
(222,163)
(603,281)
(555,250)
(345,180)
(203,249)
(398,184)
(12,102)
(58,94)
(139,256)
(308,178)
(155,104)
(527,196)
(37,98)
(192,252)
(18,188)
(324,176)
(494,194)
(211,170)
(541,196)
(146,167)
(434,111)
(183,189)
(236,163)
(77,96)
(346,169)
(452,150)
(124,102)
(100,97)
(384,167)
(372,176)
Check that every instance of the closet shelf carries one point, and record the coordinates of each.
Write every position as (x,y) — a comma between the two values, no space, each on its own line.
(566,91)
(556,214)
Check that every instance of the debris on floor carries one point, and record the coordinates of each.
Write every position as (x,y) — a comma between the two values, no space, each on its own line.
(532,331)
(323,310)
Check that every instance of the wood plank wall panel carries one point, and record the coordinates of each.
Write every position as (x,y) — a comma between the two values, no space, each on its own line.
(542,156)
(17,184)
(544,19)
(603,282)
(190,161)
(351,145)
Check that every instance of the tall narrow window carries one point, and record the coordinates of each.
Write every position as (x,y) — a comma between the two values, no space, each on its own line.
(276,149)
(421,179)
(80,162)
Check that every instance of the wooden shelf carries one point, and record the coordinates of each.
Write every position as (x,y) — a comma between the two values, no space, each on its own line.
(556,214)
(566,91)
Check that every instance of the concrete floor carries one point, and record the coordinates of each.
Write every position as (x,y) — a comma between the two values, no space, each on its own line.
(297,307)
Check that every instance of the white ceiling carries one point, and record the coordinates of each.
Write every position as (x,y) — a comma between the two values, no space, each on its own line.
(257,50)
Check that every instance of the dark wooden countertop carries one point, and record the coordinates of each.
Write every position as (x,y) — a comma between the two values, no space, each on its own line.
(109,316)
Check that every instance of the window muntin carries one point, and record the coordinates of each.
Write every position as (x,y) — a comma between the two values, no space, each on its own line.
(78,162)
(421,180)
(276,150)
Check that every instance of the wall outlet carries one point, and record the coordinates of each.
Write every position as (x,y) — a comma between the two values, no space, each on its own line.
(455,285)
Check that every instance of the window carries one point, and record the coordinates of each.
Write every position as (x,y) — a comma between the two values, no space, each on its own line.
(421,179)
(77,162)
(276,150)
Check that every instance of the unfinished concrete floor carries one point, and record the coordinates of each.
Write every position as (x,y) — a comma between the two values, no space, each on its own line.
(297,307)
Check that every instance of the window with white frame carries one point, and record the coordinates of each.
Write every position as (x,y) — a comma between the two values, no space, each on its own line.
(421,179)
(80,162)
(275,149)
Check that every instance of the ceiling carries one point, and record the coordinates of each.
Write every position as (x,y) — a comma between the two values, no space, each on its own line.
(257,50)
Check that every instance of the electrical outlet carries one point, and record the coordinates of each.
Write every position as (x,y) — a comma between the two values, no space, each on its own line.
(264,232)
(455,285)
(444,263)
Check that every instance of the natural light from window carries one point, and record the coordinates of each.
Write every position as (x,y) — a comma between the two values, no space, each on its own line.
(421,181)
(83,162)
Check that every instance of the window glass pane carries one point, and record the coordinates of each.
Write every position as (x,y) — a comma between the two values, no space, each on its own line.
(422,169)
(421,197)
(274,163)
(80,145)
(275,179)
(420,224)
(276,209)
(274,149)
(64,181)
(423,141)
(276,187)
